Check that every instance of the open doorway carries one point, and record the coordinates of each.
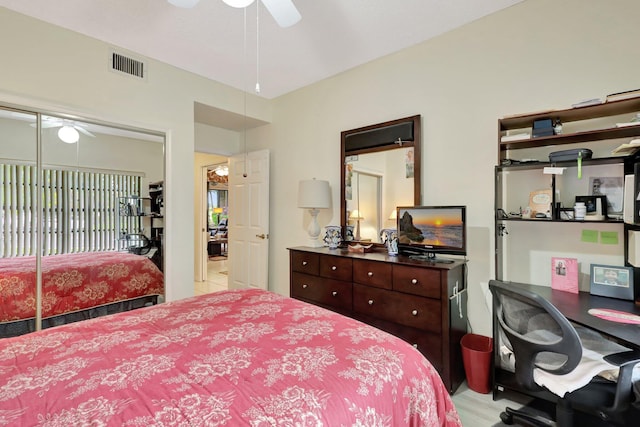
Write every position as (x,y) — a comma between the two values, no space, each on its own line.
(211,217)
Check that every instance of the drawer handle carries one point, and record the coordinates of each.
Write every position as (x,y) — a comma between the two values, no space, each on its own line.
(334,293)
(305,286)
(334,268)
(370,302)
(304,263)
(414,281)
(370,273)
(414,312)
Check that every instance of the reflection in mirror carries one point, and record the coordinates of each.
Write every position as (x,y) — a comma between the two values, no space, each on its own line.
(18,215)
(100,218)
(379,173)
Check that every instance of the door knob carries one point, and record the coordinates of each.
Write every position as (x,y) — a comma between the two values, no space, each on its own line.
(262,236)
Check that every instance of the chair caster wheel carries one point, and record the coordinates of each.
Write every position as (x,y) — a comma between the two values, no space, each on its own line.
(506,418)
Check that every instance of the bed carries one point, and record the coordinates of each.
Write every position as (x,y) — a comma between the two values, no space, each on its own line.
(230,358)
(74,287)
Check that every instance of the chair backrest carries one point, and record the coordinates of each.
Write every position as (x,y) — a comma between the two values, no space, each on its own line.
(539,335)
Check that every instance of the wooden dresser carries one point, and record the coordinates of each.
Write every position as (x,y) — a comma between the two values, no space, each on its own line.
(421,302)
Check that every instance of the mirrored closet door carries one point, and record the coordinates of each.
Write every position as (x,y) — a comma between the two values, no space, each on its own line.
(81,220)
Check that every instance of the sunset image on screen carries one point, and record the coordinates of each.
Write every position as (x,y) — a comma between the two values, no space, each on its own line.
(433,226)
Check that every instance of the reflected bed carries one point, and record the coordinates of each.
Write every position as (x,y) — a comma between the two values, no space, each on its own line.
(243,357)
(74,287)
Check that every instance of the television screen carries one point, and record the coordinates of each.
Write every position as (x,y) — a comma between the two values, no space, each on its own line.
(432,229)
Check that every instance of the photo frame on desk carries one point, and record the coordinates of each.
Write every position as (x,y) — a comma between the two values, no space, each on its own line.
(612,281)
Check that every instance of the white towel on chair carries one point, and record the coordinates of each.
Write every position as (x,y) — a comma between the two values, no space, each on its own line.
(590,365)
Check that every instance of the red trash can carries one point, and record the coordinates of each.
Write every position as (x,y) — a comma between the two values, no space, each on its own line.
(477,351)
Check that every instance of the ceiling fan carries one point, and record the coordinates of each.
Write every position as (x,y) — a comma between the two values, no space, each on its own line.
(283,11)
(69,131)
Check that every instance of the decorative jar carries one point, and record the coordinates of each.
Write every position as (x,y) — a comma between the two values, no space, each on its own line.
(332,236)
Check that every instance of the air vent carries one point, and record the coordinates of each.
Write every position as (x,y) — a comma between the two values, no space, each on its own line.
(127,65)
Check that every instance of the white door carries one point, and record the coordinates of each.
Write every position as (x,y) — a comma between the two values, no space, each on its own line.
(249,220)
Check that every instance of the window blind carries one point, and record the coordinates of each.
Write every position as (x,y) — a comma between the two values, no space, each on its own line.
(79,209)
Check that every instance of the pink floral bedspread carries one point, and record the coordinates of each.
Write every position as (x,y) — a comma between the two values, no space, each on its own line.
(73,282)
(232,358)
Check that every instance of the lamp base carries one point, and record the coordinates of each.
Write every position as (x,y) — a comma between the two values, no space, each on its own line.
(315,243)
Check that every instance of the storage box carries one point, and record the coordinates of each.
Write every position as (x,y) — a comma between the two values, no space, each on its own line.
(568,155)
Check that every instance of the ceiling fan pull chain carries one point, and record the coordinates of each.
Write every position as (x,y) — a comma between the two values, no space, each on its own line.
(257,47)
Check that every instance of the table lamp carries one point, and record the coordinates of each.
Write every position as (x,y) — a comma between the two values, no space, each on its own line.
(218,211)
(355,216)
(314,195)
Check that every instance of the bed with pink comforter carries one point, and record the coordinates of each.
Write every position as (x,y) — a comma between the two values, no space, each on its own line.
(72,283)
(232,358)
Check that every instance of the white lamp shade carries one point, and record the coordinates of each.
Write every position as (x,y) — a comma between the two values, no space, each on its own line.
(238,3)
(355,214)
(68,134)
(314,194)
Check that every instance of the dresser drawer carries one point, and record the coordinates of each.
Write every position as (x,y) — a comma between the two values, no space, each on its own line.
(305,262)
(417,312)
(428,343)
(372,273)
(334,267)
(334,293)
(417,281)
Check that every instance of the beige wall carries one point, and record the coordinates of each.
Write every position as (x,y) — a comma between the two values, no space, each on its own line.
(536,55)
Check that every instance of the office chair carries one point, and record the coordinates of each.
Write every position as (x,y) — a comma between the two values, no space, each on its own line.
(541,337)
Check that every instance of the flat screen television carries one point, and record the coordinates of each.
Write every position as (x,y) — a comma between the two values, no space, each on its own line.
(424,231)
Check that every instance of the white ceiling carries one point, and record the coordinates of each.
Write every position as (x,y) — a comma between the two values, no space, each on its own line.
(333,35)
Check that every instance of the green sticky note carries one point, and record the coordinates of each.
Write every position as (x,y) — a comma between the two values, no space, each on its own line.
(609,237)
(590,236)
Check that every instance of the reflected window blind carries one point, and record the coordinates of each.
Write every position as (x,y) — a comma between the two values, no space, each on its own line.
(79,209)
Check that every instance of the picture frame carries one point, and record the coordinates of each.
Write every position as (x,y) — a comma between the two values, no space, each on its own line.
(613,188)
(612,281)
(591,203)
(566,213)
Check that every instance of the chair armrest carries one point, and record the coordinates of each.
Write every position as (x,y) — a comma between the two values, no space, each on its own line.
(626,360)
(624,357)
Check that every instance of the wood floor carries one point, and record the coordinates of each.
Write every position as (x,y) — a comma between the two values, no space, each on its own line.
(480,410)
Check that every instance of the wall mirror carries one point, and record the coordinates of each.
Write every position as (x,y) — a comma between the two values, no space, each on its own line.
(81,219)
(380,167)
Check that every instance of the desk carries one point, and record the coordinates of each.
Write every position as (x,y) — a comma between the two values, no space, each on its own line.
(575,307)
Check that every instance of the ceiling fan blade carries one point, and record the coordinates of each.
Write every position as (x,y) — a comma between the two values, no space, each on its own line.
(283,11)
(186,4)
(51,124)
(83,130)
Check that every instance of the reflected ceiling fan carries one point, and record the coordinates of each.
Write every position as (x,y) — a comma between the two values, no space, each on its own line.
(283,11)
(69,131)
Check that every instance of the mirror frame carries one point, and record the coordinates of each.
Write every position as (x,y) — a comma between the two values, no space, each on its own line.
(381,132)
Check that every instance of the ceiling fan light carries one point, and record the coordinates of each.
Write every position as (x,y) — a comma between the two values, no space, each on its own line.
(238,3)
(68,134)
(222,170)
(186,4)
